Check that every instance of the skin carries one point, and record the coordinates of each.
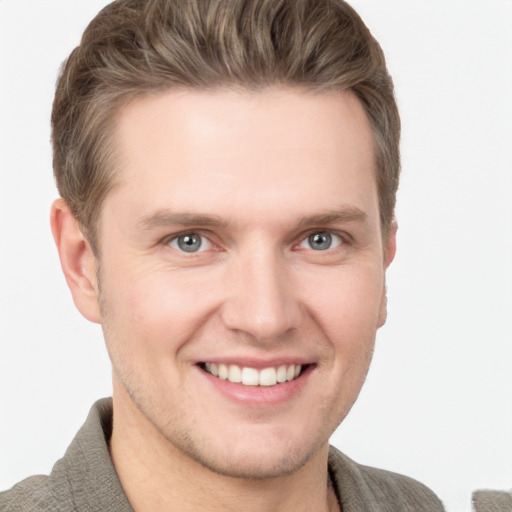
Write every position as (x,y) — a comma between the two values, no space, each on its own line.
(253,174)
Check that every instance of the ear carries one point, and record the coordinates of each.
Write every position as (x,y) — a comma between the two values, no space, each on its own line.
(390,249)
(389,255)
(77,260)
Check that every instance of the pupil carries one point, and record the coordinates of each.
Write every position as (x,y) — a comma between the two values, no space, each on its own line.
(320,241)
(189,243)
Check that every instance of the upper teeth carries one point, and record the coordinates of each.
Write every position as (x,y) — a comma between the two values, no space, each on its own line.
(253,377)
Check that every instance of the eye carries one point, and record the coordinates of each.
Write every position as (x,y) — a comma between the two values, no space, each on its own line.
(321,241)
(190,242)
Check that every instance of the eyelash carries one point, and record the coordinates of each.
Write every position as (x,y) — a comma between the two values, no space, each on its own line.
(167,241)
(344,239)
(332,234)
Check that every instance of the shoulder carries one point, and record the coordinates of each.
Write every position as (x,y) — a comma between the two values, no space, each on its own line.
(53,492)
(370,489)
(28,495)
(495,501)
(83,479)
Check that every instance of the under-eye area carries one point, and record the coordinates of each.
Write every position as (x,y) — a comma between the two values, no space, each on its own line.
(248,376)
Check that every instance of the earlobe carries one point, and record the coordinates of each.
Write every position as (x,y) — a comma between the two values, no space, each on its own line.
(77,260)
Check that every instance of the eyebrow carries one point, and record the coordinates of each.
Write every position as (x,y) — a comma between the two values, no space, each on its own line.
(343,215)
(166,218)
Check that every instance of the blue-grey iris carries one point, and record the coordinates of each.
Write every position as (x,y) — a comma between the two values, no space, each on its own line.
(189,243)
(320,241)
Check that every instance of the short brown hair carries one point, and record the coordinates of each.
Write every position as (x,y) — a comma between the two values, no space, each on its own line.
(138,47)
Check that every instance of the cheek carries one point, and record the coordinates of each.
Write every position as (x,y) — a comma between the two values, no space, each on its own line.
(155,308)
(347,306)
(347,295)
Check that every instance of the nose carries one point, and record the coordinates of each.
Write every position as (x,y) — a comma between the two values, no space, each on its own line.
(262,301)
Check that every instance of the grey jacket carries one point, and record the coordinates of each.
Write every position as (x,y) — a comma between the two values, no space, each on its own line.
(85,480)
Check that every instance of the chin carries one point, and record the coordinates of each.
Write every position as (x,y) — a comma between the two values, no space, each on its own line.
(255,467)
(255,456)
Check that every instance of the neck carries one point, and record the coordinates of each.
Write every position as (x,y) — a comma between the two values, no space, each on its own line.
(155,475)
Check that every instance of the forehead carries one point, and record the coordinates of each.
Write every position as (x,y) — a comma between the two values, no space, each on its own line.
(274,149)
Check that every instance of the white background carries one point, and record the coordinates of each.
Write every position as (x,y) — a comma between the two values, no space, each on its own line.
(438,402)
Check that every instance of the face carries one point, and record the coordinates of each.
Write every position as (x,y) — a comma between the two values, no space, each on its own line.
(241,272)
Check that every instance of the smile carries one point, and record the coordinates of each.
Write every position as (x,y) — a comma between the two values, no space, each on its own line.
(251,376)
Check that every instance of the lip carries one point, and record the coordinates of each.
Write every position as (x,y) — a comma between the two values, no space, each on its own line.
(258,396)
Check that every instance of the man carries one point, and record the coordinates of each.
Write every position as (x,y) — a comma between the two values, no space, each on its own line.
(227,172)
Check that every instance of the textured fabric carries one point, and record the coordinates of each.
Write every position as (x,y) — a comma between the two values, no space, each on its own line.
(85,480)
(365,489)
(492,501)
